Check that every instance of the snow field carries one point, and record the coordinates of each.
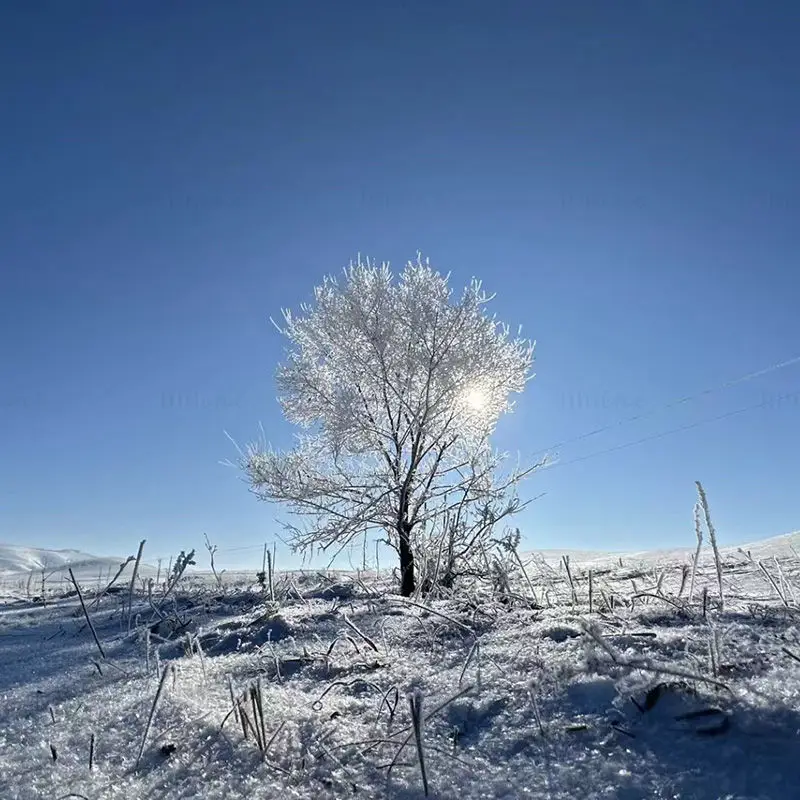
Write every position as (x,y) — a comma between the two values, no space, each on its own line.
(644,696)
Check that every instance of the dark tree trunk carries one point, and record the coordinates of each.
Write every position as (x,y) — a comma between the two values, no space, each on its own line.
(407,579)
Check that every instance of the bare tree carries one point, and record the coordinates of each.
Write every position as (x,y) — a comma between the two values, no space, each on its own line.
(396,386)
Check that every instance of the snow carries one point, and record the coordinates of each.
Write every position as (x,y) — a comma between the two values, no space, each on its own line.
(649,699)
(15,558)
(764,548)
(18,563)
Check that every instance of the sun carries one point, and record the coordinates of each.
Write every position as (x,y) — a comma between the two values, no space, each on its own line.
(476,399)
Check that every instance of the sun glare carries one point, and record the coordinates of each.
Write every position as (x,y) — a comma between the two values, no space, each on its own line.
(476,399)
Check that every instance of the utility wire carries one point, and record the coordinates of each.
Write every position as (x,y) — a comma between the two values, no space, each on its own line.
(661,435)
(672,404)
(635,418)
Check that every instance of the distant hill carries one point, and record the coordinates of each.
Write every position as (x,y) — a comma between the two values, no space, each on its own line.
(787,544)
(18,560)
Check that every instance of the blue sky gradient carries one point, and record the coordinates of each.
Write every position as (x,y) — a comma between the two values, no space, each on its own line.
(624,176)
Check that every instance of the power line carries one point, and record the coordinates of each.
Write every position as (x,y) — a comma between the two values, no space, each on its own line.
(663,434)
(672,404)
(166,556)
(655,436)
(240,549)
(635,418)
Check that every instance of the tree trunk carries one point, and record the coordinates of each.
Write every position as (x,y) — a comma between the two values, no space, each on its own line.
(407,579)
(404,527)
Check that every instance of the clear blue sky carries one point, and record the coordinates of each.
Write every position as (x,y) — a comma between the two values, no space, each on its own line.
(624,175)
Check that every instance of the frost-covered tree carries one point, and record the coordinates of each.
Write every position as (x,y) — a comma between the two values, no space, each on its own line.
(397,386)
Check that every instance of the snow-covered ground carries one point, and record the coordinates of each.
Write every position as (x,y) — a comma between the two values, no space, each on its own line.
(645,694)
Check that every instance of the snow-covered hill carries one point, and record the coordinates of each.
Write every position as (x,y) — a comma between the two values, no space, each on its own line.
(787,544)
(19,561)
(17,558)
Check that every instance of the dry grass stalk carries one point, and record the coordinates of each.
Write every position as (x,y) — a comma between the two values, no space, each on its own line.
(359,633)
(415,702)
(525,575)
(684,576)
(121,569)
(433,611)
(712,534)
(133,581)
(233,699)
(86,614)
(392,707)
(791,654)
(271,558)
(427,717)
(788,588)
(698,529)
(241,714)
(212,551)
(646,665)
(781,594)
(476,651)
(565,559)
(152,714)
(258,718)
